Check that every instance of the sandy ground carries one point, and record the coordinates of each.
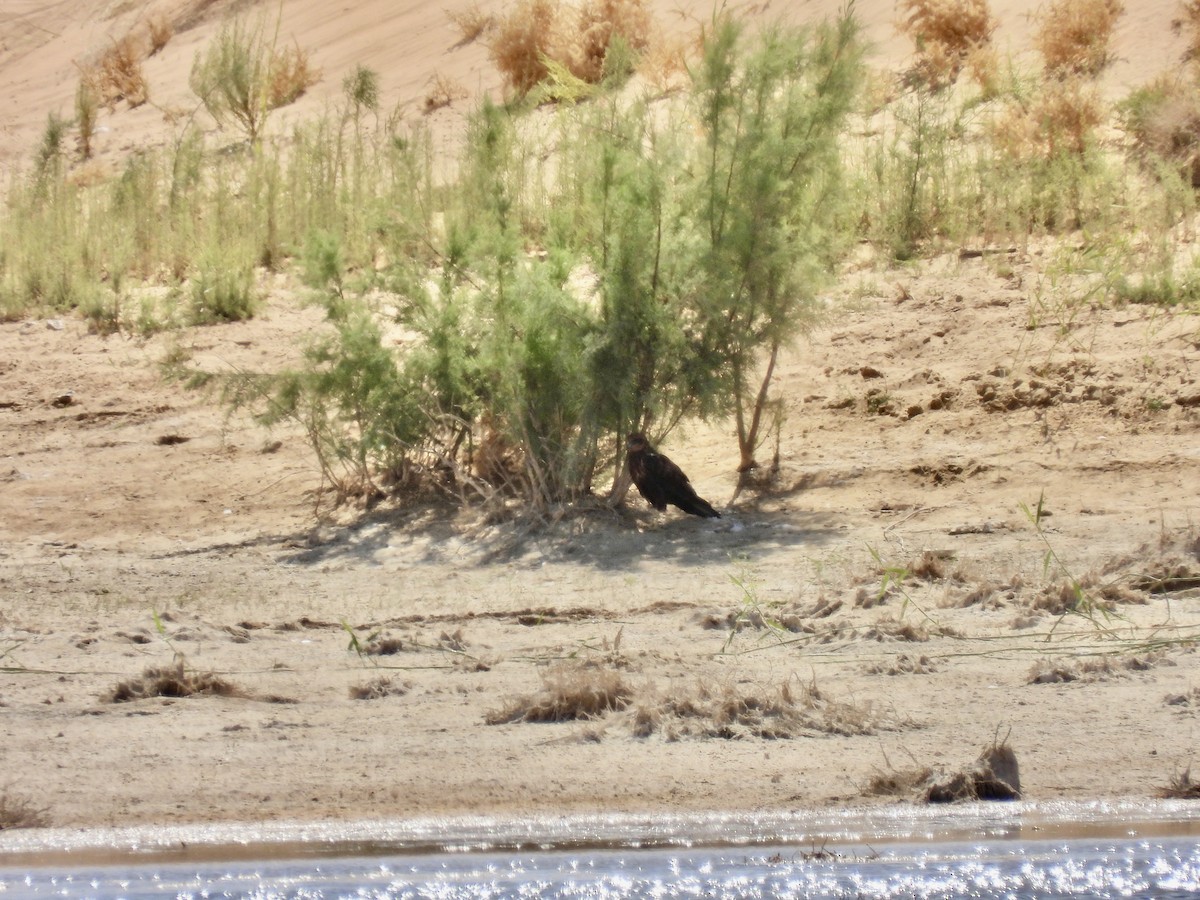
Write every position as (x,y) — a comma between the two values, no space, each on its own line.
(887,607)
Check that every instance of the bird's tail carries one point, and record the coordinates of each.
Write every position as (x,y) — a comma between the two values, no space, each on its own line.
(698,506)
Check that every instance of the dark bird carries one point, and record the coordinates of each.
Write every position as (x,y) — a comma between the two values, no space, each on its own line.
(661,482)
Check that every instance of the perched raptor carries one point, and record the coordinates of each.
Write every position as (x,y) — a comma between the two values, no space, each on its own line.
(661,482)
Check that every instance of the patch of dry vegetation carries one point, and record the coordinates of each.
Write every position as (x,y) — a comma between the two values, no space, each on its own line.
(599,22)
(891,629)
(1163,119)
(20,812)
(378,688)
(1104,668)
(989,594)
(1074,36)
(1181,787)
(950,36)
(904,664)
(731,712)
(172,681)
(538,37)
(159,30)
(1088,593)
(1061,118)
(569,692)
(1074,39)
(117,74)
(442,92)
(995,775)
(472,23)
(290,75)
(1169,565)
(522,42)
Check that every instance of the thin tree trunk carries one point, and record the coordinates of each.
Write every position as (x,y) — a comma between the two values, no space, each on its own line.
(748,437)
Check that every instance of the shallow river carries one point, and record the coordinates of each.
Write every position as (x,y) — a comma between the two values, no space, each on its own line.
(1008,850)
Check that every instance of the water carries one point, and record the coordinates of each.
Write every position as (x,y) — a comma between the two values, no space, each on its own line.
(1011,850)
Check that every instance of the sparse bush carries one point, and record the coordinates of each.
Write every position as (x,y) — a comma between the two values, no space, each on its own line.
(361,88)
(87,109)
(243,75)
(770,182)
(48,159)
(1163,119)
(702,255)
(222,293)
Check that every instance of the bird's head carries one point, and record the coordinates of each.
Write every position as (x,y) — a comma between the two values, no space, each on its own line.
(636,442)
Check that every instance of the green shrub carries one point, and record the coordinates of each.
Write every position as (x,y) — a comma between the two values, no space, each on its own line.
(770,183)
(244,75)
(221,292)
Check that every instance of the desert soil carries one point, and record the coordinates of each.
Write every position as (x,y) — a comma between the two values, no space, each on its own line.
(884,607)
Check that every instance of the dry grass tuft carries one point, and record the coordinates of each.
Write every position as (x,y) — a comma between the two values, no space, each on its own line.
(664,63)
(569,692)
(775,713)
(1163,118)
(995,775)
(160,31)
(1073,36)
(1061,119)
(1181,787)
(1189,22)
(117,75)
(380,645)
(472,23)
(950,36)
(599,21)
(890,629)
(291,74)
(1170,565)
(990,595)
(442,92)
(1061,671)
(897,783)
(541,37)
(18,812)
(1067,596)
(904,664)
(172,681)
(929,566)
(378,688)
(523,40)
(1190,700)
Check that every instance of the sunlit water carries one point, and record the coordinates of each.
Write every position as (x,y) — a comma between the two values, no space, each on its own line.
(1011,850)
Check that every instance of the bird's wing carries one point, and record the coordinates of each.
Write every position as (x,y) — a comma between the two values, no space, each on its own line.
(644,473)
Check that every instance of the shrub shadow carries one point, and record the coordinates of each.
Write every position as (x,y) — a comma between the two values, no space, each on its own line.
(600,538)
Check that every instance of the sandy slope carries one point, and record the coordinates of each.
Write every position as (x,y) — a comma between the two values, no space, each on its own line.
(42,46)
(934,404)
